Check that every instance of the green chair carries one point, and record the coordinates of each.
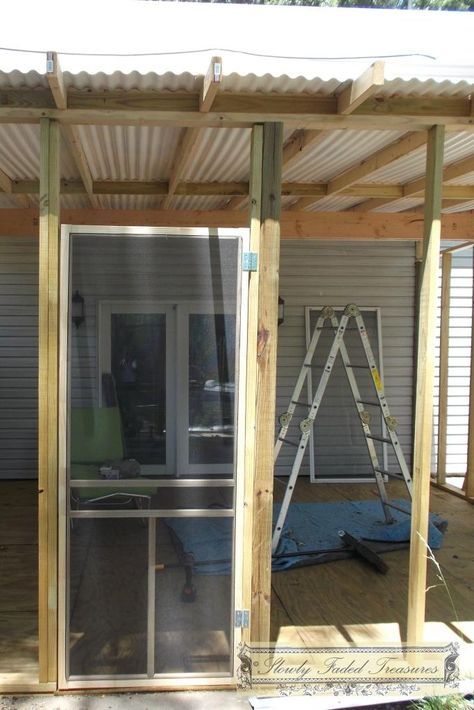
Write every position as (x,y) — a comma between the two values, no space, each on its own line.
(96,437)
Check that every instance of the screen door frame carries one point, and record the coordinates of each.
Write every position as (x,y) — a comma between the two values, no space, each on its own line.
(240,512)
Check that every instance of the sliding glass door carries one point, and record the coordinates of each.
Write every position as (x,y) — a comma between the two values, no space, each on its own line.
(150,469)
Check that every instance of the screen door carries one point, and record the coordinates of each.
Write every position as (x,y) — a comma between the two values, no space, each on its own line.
(150,467)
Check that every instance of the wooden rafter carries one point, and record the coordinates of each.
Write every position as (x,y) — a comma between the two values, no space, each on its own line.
(234,110)
(184,154)
(54,76)
(416,188)
(380,159)
(190,136)
(294,146)
(7,186)
(210,85)
(361,88)
(73,140)
(71,134)
(326,226)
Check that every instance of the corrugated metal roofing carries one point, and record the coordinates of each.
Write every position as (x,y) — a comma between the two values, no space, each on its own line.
(456,147)
(407,203)
(337,152)
(222,155)
(129,152)
(460,208)
(334,203)
(426,54)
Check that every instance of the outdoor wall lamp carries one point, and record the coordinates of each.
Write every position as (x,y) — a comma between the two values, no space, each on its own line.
(281,310)
(77,309)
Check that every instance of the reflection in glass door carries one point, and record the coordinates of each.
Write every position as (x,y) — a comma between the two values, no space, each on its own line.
(206,387)
(150,469)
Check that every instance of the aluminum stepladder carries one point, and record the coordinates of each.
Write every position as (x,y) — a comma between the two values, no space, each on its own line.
(338,347)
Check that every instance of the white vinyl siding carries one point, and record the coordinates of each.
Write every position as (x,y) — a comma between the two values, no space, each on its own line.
(335,274)
(18,357)
(459,363)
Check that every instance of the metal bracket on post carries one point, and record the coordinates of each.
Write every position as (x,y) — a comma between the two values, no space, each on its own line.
(249,261)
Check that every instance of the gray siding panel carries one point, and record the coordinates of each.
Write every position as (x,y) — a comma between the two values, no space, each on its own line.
(369,274)
(18,357)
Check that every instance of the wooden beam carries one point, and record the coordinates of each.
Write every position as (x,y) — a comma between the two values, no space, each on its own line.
(71,134)
(238,189)
(381,158)
(457,247)
(48,361)
(184,154)
(446,261)
(322,226)
(361,89)
(416,188)
(234,110)
(265,358)
(424,390)
(55,80)
(297,143)
(210,84)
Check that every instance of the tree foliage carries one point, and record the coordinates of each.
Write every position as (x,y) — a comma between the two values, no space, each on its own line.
(380,4)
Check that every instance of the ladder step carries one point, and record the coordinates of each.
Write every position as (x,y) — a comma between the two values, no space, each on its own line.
(301,404)
(334,330)
(359,367)
(364,401)
(379,438)
(288,441)
(389,473)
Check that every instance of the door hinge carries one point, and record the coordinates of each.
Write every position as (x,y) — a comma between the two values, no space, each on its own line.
(249,261)
(242,618)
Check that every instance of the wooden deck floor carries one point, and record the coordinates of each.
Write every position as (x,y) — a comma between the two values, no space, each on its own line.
(346,601)
(334,603)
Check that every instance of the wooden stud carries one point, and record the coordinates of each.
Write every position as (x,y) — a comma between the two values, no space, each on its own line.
(468,485)
(425,382)
(48,362)
(361,88)
(446,261)
(210,85)
(256,158)
(265,376)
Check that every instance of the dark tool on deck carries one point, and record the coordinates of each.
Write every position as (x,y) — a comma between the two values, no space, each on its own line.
(364,550)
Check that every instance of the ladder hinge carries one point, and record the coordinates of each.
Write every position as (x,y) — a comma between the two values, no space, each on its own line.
(249,261)
(242,618)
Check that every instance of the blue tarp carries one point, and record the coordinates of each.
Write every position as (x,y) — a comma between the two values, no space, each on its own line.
(308,527)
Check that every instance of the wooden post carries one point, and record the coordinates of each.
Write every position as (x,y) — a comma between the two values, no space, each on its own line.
(425,382)
(265,205)
(446,262)
(468,485)
(48,397)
